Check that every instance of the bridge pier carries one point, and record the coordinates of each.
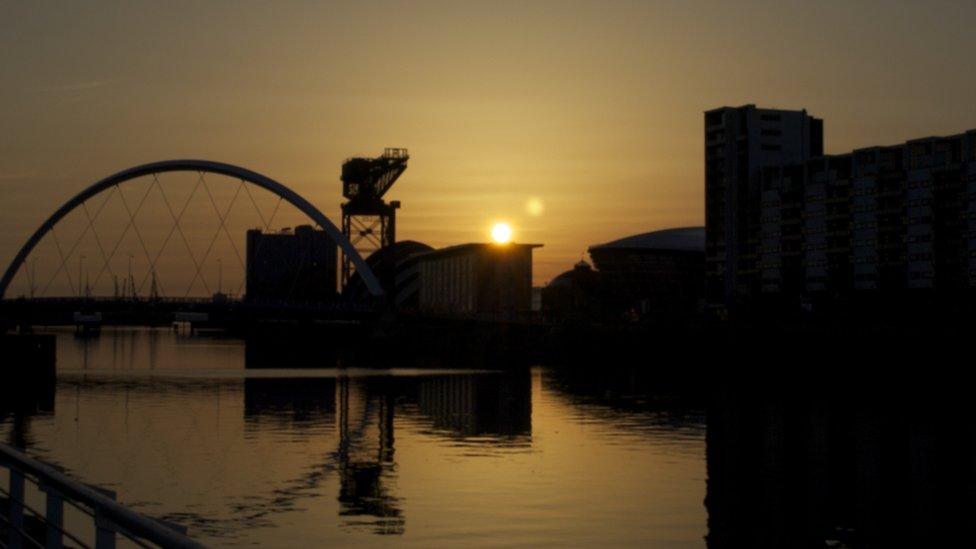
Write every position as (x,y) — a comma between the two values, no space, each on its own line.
(27,374)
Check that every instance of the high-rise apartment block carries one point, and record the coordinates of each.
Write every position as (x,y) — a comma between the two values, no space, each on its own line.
(739,143)
(806,229)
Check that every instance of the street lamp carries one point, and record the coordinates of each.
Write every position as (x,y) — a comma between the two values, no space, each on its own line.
(81,262)
(131,282)
(33,277)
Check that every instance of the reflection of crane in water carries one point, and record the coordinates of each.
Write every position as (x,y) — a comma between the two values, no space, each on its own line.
(362,469)
(362,458)
(493,409)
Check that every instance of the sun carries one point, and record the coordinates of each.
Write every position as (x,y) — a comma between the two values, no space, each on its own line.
(501,233)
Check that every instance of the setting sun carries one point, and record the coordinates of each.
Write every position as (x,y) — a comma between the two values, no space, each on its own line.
(501,233)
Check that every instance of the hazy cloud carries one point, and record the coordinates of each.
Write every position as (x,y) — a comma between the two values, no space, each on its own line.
(18,176)
(75,86)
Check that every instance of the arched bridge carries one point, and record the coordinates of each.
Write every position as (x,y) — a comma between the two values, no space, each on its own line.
(202,167)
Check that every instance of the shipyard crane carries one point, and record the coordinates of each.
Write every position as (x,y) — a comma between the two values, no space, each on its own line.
(368,221)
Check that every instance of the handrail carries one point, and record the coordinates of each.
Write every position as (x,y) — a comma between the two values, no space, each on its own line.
(135,523)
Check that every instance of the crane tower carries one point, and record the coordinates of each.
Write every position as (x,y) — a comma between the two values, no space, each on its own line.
(368,221)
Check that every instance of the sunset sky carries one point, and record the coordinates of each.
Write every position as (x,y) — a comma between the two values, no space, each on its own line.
(590,111)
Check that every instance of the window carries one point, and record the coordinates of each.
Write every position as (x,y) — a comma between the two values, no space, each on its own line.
(916,152)
(771,133)
(770,147)
(891,160)
(713,118)
(865,158)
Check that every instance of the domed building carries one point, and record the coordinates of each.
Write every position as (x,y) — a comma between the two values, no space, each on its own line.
(659,273)
(573,295)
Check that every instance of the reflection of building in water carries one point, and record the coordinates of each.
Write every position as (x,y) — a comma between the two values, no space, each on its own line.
(294,399)
(479,405)
(815,475)
(291,347)
(363,458)
(490,405)
(625,388)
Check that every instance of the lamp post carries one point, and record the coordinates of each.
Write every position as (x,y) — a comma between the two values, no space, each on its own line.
(130,281)
(33,282)
(81,262)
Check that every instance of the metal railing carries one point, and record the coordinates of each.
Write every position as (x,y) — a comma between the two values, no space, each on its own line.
(28,527)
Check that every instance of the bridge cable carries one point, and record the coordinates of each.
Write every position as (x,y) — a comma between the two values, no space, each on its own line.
(261,241)
(132,223)
(275,211)
(206,254)
(298,271)
(223,225)
(255,204)
(175,228)
(267,227)
(64,261)
(71,251)
(101,249)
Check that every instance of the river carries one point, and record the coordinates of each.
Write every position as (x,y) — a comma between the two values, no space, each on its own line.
(184,430)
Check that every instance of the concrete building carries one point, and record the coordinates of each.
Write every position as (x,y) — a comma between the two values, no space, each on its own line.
(654,274)
(876,220)
(493,409)
(739,142)
(860,227)
(296,266)
(491,281)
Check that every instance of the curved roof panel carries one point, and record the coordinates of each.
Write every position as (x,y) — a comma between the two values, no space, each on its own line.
(691,239)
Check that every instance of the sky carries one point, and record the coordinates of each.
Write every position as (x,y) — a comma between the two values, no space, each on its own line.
(592,110)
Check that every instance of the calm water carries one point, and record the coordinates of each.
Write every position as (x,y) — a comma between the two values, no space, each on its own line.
(184,430)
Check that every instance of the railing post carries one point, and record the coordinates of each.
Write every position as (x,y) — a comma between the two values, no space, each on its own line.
(16,516)
(54,516)
(104,531)
(110,518)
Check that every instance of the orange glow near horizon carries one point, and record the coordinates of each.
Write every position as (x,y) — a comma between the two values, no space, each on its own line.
(576,123)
